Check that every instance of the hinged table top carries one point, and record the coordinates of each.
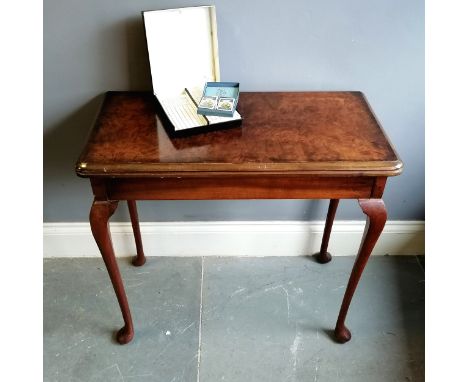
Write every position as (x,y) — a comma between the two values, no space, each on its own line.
(324,133)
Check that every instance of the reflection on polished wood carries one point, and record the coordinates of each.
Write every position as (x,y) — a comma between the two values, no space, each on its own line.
(322,132)
(314,145)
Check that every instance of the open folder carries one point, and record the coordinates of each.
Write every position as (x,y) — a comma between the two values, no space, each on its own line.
(183,54)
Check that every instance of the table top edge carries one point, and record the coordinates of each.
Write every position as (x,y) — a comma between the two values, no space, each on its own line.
(380,168)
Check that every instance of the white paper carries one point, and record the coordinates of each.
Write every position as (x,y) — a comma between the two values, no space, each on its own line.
(183,54)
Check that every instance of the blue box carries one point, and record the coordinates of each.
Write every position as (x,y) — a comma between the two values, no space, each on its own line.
(219,99)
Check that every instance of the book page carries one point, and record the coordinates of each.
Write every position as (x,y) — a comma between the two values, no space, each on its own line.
(182,112)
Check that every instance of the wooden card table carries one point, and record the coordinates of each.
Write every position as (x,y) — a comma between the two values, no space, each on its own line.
(311,145)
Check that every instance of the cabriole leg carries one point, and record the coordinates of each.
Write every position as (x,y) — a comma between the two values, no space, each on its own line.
(99,216)
(323,256)
(140,258)
(376,218)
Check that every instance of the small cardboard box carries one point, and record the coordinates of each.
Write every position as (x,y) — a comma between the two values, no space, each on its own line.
(183,54)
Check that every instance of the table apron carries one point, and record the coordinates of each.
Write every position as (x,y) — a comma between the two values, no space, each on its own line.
(238,187)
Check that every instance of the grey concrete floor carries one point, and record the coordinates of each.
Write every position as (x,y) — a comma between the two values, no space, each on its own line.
(262,319)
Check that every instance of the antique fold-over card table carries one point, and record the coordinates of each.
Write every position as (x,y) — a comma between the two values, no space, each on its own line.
(291,145)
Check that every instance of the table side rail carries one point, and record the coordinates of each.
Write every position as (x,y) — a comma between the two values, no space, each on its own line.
(239,187)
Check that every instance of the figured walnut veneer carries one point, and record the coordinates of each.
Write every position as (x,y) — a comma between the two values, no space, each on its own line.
(327,133)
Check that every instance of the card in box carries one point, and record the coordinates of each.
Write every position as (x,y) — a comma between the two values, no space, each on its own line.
(227,95)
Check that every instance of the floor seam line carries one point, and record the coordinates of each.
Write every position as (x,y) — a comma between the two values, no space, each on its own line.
(200,319)
(420,265)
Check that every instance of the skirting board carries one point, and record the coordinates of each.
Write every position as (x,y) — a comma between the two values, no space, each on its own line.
(240,238)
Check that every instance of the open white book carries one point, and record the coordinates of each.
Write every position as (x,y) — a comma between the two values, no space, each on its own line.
(183,53)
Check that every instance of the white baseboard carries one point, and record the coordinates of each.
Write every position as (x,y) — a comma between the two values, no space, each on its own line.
(244,238)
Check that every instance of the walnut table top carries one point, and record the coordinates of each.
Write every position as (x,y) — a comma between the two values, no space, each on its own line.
(328,133)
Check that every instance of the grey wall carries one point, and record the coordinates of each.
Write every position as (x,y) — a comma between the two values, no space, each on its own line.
(374,46)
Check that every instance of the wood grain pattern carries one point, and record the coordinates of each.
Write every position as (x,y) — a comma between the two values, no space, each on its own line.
(238,187)
(323,133)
